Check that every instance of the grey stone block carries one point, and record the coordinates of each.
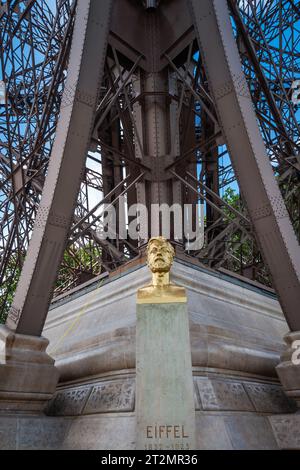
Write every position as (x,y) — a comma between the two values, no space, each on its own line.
(268,398)
(250,432)
(117,395)
(223,395)
(165,406)
(101,433)
(69,402)
(211,433)
(8,433)
(287,431)
(42,433)
(198,405)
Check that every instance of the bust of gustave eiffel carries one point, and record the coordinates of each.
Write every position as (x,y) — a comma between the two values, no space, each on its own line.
(160,256)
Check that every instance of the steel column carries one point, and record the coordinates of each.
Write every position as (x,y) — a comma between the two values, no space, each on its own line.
(34,292)
(248,154)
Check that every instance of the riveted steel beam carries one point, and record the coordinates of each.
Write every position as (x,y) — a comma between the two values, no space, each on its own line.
(234,106)
(28,312)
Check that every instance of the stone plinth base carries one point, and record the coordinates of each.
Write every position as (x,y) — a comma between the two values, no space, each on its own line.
(233,326)
(116,431)
(236,332)
(28,377)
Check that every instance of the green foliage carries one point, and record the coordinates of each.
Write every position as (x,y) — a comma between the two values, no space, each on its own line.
(79,262)
(78,265)
(7,289)
(245,253)
(232,198)
(241,251)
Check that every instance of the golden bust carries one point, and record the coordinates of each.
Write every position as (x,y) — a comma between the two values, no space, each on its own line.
(160,256)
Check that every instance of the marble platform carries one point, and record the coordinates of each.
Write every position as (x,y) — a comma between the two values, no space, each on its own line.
(236,331)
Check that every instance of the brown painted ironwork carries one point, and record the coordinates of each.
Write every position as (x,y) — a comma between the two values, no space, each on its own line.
(165,125)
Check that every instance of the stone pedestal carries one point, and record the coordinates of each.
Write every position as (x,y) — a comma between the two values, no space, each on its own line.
(236,333)
(164,384)
(28,377)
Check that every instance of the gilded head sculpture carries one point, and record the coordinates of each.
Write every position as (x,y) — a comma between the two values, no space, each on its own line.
(160,255)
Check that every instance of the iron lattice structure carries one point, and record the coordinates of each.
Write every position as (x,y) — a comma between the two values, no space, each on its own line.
(35,46)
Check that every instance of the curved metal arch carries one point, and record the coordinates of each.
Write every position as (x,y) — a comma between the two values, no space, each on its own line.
(257,182)
(34,291)
(229,86)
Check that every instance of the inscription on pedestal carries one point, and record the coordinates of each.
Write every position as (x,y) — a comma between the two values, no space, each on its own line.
(175,437)
(165,393)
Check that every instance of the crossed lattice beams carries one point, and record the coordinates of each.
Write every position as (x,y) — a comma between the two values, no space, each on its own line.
(33,69)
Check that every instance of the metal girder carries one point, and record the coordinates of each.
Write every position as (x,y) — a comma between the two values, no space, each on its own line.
(252,53)
(257,182)
(295,7)
(67,162)
(170,22)
(171,116)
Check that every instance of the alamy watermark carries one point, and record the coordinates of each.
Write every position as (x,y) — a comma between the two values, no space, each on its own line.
(2,93)
(138,222)
(296,353)
(296,92)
